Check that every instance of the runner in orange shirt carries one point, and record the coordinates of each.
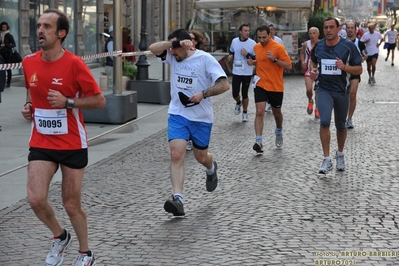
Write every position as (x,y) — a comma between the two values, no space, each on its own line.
(271,59)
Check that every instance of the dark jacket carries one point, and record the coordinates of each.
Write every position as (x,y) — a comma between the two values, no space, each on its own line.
(2,77)
(6,51)
(109,61)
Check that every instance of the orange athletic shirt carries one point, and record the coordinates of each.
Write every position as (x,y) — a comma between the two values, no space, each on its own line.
(70,76)
(271,75)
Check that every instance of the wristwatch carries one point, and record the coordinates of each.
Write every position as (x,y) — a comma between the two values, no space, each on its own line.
(275,60)
(70,104)
(204,94)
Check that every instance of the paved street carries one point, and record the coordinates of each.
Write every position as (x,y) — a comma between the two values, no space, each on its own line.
(272,209)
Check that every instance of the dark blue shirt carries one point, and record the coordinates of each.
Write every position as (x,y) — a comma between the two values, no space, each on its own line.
(330,77)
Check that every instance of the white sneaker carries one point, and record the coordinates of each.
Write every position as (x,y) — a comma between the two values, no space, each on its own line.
(325,166)
(244,117)
(189,146)
(268,107)
(279,140)
(349,124)
(237,109)
(56,255)
(85,260)
(340,162)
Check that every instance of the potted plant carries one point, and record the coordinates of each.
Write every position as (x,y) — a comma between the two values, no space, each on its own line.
(129,73)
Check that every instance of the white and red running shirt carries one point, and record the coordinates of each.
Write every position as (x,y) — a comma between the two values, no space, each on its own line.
(57,129)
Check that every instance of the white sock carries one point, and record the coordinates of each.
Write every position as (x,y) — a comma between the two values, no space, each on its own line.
(179,196)
(210,172)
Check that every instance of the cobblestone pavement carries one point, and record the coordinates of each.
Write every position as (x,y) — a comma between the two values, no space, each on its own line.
(272,209)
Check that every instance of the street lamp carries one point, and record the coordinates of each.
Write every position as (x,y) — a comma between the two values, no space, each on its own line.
(142,64)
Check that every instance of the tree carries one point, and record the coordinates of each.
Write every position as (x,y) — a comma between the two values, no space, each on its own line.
(317,20)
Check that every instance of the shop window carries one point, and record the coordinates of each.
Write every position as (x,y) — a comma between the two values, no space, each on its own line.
(68,7)
(9,14)
(36,8)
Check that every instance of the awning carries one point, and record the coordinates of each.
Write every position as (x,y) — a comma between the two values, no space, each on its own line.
(281,4)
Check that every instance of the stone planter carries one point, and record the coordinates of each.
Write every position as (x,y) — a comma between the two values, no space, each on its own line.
(125,81)
(103,83)
(118,110)
(151,90)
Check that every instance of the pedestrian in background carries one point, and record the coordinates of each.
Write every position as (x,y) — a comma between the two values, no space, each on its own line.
(392,37)
(2,79)
(241,48)
(273,34)
(7,43)
(196,76)
(271,59)
(373,40)
(198,39)
(109,60)
(354,79)
(334,59)
(59,84)
(342,30)
(127,46)
(306,65)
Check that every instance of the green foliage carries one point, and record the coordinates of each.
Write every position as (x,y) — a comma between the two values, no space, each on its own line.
(383,29)
(129,70)
(317,20)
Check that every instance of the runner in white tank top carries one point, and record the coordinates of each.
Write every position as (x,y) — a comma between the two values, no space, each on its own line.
(305,59)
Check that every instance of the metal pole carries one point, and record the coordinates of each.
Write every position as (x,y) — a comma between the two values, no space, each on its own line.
(117,66)
(165,68)
(142,64)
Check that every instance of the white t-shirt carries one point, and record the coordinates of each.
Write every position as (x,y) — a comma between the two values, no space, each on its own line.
(342,33)
(278,39)
(391,36)
(240,65)
(371,46)
(194,74)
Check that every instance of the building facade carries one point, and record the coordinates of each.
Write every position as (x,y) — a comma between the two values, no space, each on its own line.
(90,18)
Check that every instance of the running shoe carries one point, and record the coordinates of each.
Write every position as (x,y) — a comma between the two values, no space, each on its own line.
(56,255)
(340,162)
(316,114)
(373,80)
(310,107)
(349,123)
(279,140)
(369,80)
(85,260)
(174,206)
(392,64)
(268,107)
(386,59)
(212,180)
(325,166)
(237,109)
(189,146)
(244,117)
(258,147)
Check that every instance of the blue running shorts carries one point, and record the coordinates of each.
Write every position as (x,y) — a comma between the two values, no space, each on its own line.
(182,128)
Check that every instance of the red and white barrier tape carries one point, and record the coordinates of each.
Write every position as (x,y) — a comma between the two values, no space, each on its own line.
(96,56)
(10,66)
